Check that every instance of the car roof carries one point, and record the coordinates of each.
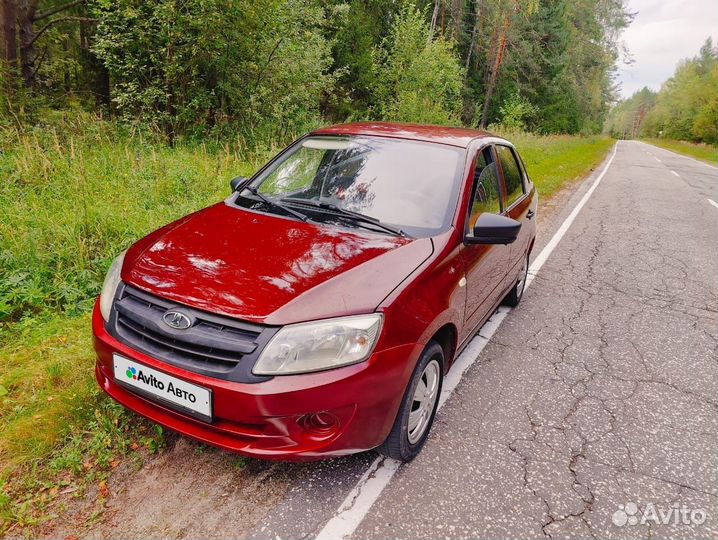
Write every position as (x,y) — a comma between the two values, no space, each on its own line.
(417,132)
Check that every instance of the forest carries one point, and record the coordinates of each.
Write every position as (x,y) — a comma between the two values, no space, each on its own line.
(264,70)
(685,108)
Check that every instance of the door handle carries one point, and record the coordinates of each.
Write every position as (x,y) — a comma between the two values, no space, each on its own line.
(530,214)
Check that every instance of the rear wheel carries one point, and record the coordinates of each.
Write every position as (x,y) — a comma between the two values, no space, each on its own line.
(514,297)
(418,408)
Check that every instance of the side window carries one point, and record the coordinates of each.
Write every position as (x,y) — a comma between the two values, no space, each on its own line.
(512,174)
(486,187)
(524,173)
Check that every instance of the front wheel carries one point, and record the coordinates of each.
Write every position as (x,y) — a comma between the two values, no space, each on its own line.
(514,297)
(418,408)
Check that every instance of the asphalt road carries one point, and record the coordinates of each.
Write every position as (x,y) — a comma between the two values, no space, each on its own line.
(597,394)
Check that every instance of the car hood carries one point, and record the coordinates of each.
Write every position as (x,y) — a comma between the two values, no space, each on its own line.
(268,269)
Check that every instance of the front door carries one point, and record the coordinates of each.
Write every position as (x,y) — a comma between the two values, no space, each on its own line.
(484,264)
(517,205)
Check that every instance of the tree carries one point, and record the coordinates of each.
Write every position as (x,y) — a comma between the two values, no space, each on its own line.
(191,65)
(270,68)
(9,27)
(626,120)
(687,105)
(418,77)
(557,54)
(26,23)
(361,27)
(501,38)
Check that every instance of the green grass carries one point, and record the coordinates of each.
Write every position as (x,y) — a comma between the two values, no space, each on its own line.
(74,194)
(44,376)
(704,152)
(554,161)
(57,429)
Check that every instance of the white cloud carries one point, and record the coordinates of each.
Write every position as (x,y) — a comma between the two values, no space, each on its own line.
(664,32)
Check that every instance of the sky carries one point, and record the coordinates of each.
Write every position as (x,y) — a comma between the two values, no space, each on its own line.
(662,33)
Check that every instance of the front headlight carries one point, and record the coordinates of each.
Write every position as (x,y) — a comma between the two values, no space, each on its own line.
(315,346)
(109,287)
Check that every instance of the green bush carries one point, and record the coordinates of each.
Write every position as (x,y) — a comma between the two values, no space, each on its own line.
(258,68)
(417,76)
(515,112)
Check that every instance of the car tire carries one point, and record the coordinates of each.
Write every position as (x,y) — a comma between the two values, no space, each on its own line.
(403,443)
(514,297)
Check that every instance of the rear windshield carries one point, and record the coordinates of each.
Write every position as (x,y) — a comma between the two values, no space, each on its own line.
(407,184)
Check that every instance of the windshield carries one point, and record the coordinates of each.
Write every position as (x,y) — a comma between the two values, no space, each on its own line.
(406,184)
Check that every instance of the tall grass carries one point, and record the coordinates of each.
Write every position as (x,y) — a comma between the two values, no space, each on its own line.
(75,194)
(553,161)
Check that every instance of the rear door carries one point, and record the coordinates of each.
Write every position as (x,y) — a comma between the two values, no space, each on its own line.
(485,264)
(517,205)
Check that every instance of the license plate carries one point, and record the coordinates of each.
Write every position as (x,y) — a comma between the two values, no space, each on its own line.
(170,391)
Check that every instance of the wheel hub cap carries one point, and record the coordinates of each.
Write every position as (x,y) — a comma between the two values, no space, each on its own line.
(422,406)
(522,279)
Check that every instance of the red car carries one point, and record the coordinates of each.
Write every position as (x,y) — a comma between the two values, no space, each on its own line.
(316,311)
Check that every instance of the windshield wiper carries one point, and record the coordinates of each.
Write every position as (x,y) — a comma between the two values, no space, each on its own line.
(343,212)
(270,202)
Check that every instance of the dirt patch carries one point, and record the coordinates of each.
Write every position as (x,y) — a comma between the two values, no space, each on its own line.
(187,491)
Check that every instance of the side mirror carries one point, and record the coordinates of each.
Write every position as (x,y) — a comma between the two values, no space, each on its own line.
(494,229)
(238,183)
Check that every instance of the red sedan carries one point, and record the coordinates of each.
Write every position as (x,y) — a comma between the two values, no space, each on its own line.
(316,310)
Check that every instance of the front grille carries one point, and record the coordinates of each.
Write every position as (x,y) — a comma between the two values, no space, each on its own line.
(213,345)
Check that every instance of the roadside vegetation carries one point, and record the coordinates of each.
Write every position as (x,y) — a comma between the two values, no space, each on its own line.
(118,117)
(702,151)
(82,191)
(553,161)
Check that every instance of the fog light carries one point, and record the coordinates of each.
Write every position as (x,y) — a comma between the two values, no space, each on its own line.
(319,423)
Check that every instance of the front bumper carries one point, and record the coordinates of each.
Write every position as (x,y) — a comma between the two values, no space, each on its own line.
(268,419)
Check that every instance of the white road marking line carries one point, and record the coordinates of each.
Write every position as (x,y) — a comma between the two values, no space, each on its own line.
(681,155)
(678,175)
(545,252)
(360,500)
(713,202)
(658,160)
(371,484)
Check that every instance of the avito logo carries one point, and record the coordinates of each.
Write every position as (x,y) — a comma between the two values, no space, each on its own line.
(630,514)
(153,381)
(150,379)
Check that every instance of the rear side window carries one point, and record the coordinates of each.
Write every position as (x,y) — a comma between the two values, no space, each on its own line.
(512,174)
(486,187)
